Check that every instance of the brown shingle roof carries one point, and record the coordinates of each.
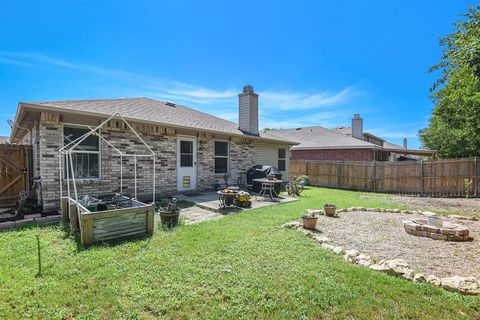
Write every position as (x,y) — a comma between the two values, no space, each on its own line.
(150,110)
(317,137)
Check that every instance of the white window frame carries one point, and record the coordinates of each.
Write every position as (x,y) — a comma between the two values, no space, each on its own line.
(227,157)
(82,126)
(284,159)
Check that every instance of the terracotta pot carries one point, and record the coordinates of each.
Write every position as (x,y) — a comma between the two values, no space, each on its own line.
(309,222)
(330,211)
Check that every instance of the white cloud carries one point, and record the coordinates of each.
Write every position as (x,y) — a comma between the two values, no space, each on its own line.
(222,101)
(305,101)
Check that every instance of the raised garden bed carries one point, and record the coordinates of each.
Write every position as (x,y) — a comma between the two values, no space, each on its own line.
(116,219)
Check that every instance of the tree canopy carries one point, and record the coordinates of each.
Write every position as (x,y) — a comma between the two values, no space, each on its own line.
(454,127)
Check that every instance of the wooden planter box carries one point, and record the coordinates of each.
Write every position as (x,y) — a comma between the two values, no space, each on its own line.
(136,220)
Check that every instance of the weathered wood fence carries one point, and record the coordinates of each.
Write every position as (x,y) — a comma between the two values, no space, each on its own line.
(438,178)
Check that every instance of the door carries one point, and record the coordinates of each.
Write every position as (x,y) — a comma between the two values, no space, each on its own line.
(15,172)
(186,163)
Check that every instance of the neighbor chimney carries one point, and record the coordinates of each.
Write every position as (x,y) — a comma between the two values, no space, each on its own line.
(357,127)
(405,143)
(248,110)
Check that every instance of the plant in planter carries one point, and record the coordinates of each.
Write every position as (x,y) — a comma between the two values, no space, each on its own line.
(169,216)
(310,220)
(295,186)
(330,209)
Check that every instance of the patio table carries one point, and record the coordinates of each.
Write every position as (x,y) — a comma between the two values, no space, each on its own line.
(268,187)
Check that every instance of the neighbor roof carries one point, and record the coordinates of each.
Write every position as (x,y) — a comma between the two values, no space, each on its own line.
(4,139)
(146,110)
(317,137)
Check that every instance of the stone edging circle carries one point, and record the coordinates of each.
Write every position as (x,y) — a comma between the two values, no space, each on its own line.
(394,267)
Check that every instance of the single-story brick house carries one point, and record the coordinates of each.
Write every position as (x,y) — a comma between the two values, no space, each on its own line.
(193,149)
(345,144)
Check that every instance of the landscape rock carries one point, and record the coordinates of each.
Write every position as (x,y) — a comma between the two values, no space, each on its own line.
(433,280)
(293,225)
(327,246)
(465,285)
(419,277)
(381,268)
(322,239)
(338,250)
(428,213)
(350,254)
(363,260)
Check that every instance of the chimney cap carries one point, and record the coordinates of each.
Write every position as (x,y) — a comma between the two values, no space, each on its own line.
(247,88)
(356,116)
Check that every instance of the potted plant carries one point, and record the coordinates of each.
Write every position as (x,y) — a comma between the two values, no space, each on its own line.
(330,209)
(310,220)
(169,216)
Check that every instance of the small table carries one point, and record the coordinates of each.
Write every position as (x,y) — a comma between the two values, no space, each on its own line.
(268,187)
(226,199)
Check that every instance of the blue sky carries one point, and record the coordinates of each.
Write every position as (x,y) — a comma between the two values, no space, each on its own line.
(312,62)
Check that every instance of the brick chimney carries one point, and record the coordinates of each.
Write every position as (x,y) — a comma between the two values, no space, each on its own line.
(248,110)
(357,127)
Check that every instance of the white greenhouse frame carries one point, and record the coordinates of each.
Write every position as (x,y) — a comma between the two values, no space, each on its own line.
(68,149)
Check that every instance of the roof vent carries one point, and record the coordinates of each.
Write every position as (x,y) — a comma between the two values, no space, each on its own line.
(298,129)
(170,104)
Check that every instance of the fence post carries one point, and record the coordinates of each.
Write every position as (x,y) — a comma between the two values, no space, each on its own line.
(422,178)
(475,177)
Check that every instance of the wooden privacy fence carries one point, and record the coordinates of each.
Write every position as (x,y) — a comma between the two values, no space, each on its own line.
(15,172)
(439,178)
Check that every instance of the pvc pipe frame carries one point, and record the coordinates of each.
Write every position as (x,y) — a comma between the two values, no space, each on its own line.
(67,150)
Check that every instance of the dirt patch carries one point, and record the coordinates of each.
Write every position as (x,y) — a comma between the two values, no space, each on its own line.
(381,235)
(463,206)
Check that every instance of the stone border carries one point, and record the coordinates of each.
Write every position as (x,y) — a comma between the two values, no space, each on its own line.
(10,225)
(394,267)
(423,213)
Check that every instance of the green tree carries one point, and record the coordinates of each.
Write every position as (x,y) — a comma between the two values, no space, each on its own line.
(454,127)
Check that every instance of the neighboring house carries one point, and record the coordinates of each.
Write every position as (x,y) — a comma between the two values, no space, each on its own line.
(193,149)
(344,144)
(4,139)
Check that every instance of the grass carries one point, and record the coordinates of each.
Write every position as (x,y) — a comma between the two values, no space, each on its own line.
(243,266)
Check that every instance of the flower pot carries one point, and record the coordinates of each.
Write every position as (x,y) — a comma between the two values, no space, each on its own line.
(436,221)
(169,219)
(330,210)
(309,222)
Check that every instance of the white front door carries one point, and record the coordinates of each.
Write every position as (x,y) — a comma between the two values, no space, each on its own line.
(186,163)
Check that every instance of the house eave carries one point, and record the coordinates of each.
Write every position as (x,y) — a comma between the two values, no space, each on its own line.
(24,107)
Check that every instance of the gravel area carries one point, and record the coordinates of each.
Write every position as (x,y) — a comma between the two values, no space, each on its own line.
(467,206)
(381,235)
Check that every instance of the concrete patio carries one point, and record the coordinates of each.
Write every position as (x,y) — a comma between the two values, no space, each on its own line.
(208,207)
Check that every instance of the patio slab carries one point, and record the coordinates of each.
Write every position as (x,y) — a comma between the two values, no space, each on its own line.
(209,201)
(196,214)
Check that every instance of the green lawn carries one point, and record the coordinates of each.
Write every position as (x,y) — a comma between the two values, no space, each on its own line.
(242,266)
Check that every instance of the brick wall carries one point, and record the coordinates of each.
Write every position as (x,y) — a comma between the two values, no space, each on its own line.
(50,138)
(334,154)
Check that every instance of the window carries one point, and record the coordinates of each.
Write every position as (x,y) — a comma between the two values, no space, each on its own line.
(186,153)
(86,156)
(221,157)
(282,159)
